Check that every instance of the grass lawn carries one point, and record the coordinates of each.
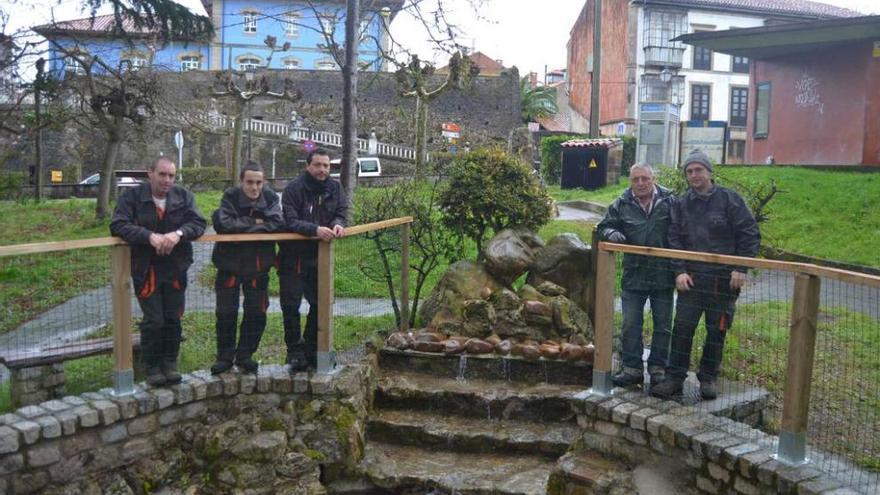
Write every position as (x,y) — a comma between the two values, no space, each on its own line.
(823,213)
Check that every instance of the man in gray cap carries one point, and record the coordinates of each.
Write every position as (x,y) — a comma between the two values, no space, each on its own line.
(712,219)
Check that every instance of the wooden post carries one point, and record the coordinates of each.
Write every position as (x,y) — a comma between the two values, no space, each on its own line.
(591,288)
(799,372)
(404,277)
(123,371)
(604,322)
(326,355)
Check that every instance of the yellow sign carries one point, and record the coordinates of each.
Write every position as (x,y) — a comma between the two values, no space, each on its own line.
(593,163)
(57,176)
(877,49)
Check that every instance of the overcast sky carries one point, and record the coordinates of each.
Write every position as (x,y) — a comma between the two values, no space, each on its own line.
(524,33)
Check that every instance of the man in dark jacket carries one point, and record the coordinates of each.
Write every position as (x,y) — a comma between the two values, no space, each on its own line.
(248,209)
(159,219)
(711,219)
(316,206)
(640,216)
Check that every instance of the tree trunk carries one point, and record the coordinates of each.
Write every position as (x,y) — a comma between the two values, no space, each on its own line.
(238,132)
(108,178)
(349,102)
(421,136)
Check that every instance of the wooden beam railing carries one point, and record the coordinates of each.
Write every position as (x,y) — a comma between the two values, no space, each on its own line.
(120,265)
(803,328)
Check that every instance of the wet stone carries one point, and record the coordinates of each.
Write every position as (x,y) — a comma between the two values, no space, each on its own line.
(164,397)
(50,427)
(74,400)
(199,387)
(29,431)
(715,447)
(107,411)
(147,402)
(603,409)
(11,463)
(143,424)
(9,440)
(9,418)
(43,455)
(128,406)
(114,434)
(639,418)
(248,383)
(183,393)
(54,406)
(730,456)
(31,412)
(621,413)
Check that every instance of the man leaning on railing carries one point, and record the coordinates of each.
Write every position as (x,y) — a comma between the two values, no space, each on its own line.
(640,216)
(711,219)
(159,219)
(314,205)
(249,208)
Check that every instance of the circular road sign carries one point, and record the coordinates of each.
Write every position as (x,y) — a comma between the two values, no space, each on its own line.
(309,146)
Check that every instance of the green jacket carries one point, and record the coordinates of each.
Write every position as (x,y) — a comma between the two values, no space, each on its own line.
(626,216)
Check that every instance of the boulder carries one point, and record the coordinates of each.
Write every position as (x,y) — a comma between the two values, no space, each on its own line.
(505,299)
(478,318)
(550,289)
(265,446)
(478,346)
(463,280)
(569,319)
(564,261)
(509,254)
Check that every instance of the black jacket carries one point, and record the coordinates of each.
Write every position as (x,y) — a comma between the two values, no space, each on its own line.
(136,217)
(237,215)
(308,204)
(626,216)
(718,223)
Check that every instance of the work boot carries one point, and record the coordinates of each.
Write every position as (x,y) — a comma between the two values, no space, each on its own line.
(155,377)
(668,388)
(708,389)
(169,369)
(627,378)
(247,365)
(657,374)
(297,361)
(221,366)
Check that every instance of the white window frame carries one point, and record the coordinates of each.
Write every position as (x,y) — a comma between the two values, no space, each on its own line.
(190,62)
(327,21)
(290,61)
(326,64)
(249,22)
(136,62)
(291,24)
(253,62)
(73,65)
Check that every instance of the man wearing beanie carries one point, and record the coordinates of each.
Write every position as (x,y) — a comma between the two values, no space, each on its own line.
(712,219)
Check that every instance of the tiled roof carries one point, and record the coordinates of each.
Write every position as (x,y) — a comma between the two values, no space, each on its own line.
(804,8)
(592,143)
(555,122)
(100,24)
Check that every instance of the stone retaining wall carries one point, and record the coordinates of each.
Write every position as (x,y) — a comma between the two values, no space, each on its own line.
(45,448)
(724,456)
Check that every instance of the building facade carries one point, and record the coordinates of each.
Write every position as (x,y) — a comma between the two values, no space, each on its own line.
(816,87)
(651,84)
(241,28)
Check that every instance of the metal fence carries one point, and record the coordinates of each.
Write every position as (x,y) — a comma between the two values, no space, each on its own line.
(70,318)
(794,354)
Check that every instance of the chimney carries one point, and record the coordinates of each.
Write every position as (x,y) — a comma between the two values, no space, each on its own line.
(500,62)
(533,79)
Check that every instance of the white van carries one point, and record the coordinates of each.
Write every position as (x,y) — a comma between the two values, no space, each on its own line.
(368,166)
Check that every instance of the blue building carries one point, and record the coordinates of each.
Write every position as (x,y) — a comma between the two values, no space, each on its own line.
(241,28)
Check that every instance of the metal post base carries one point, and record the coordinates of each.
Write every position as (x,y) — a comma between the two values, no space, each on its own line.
(326,362)
(792,447)
(602,384)
(123,382)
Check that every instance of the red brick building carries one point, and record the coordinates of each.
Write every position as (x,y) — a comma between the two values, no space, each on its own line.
(816,87)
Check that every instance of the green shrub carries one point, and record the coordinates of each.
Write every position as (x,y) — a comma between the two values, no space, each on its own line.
(12,184)
(206,178)
(488,191)
(551,157)
(629,154)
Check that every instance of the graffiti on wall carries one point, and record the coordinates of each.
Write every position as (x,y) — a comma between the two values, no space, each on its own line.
(807,94)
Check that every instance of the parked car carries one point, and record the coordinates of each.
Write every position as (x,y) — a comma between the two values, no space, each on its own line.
(368,166)
(122,181)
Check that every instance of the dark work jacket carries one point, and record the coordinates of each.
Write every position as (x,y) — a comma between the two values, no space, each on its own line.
(238,215)
(308,204)
(136,218)
(626,216)
(718,223)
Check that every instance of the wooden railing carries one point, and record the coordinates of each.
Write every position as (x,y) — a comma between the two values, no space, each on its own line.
(803,327)
(120,264)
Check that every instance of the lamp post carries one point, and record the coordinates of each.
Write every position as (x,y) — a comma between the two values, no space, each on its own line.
(666,79)
(249,77)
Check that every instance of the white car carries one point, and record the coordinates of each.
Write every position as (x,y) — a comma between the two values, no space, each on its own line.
(368,166)
(95,179)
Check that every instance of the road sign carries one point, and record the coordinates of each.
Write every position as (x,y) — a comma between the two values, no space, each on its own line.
(593,163)
(309,146)
(178,139)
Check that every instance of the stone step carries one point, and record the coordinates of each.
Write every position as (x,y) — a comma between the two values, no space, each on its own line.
(487,399)
(487,367)
(406,469)
(462,434)
(590,473)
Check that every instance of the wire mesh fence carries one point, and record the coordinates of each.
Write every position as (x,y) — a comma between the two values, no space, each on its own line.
(57,329)
(727,352)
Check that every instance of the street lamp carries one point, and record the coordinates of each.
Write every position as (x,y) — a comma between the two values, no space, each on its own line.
(249,77)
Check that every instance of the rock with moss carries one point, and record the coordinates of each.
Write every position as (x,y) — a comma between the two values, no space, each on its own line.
(570,321)
(564,261)
(463,280)
(478,318)
(510,253)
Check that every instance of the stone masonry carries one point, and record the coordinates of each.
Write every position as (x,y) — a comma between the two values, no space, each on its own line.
(37,384)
